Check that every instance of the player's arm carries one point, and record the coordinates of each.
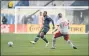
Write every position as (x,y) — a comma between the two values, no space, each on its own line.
(52,23)
(68,25)
(56,28)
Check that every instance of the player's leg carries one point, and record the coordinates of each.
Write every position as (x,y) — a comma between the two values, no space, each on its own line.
(56,35)
(43,33)
(42,36)
(66,37)
(36,38)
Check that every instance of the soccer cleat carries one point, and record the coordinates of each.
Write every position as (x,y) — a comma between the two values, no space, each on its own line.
(47,44)
(53,48)
(32,42)
(74,47)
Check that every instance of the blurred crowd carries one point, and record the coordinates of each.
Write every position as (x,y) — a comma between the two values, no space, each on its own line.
(78,16)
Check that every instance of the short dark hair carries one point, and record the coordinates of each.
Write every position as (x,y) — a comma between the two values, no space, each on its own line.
(59,13)
(45,11)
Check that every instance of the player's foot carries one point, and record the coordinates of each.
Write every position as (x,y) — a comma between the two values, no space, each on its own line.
(32,42)
(74,47)
(53,48)
(47,44)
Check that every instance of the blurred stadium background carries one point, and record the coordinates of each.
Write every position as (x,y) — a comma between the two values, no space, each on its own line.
(74,16)
(79,19)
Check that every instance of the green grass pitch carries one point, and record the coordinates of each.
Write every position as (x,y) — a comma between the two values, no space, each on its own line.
(22,45)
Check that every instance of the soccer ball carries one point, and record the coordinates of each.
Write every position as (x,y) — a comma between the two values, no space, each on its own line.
(10,44)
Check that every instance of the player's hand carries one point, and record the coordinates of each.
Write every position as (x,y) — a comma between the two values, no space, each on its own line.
(52,32)
(53,27)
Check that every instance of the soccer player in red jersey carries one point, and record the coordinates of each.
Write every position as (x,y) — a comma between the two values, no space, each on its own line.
(62,30)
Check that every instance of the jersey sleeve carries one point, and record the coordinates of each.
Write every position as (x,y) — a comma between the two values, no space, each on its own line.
(51,21)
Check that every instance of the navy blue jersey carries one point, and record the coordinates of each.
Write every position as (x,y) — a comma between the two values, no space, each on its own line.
(47,21)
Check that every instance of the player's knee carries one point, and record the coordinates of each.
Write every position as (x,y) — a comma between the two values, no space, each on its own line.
(66,37)
(42,35)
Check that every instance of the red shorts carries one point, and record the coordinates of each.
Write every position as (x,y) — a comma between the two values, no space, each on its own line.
(58,34)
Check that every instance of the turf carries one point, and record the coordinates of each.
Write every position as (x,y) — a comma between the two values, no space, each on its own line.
(22,45)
